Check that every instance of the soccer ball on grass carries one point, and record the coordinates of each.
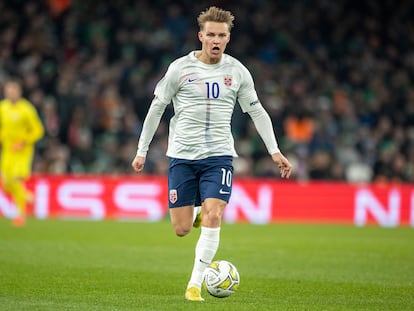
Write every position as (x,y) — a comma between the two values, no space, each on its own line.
(221,278)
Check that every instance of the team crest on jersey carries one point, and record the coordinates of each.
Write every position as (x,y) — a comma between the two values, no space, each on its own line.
(173,196)
(228,80)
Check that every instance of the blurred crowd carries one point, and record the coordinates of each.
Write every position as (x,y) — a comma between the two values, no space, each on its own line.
(337,78)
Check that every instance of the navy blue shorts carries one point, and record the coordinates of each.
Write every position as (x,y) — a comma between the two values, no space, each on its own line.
(190,182)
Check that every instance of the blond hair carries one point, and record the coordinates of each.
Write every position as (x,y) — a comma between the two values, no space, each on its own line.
(215,14)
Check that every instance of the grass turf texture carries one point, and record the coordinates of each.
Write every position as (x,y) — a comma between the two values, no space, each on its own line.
(75,265)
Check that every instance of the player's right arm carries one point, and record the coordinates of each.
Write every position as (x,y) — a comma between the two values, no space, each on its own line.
(151,123)
(138,164)
(164,91)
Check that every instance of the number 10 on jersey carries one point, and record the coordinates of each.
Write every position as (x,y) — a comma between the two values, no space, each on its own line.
(213,90)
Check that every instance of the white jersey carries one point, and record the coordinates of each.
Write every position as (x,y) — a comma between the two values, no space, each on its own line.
(203,97)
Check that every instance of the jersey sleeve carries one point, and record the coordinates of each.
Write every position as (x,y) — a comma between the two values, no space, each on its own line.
(37,130)
(247,96)
(151,123)
(249,103)
(164,91)
(167,87)
(263,124)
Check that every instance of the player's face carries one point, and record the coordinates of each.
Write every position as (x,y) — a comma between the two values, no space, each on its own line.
(214,38)
(12,91)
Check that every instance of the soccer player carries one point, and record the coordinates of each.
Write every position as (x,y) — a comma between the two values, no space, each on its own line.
(204,87)
(20,129)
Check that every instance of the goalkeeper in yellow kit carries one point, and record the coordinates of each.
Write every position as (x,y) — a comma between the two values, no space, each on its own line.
(20,129)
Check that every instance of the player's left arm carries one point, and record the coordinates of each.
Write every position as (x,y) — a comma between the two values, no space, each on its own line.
(250,103)
(35,127)
(264,127)
(1,121)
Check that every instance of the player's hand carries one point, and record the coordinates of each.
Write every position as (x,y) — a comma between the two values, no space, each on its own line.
(18,146)
(283,164)
(138,164)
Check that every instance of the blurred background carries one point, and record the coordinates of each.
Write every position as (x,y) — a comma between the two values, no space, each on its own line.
(337,78)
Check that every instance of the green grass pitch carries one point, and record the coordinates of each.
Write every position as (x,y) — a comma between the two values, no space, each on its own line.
(109,265)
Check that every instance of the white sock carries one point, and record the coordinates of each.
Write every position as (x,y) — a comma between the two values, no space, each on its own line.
(197,210)
(205,251)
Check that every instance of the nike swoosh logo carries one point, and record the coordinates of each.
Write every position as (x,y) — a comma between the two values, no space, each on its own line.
(221,191)
(191,80)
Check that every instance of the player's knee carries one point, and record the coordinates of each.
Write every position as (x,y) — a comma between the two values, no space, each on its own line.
(212,218)
(181,230)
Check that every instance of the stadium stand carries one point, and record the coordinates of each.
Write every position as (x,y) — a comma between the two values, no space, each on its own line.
(337,78)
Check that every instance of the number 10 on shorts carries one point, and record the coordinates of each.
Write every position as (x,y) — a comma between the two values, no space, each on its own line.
(226,177)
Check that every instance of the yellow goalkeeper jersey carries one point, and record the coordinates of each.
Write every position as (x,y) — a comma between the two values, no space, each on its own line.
(19,122)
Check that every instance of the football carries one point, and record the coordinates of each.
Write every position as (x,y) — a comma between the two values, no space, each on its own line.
(221,278)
